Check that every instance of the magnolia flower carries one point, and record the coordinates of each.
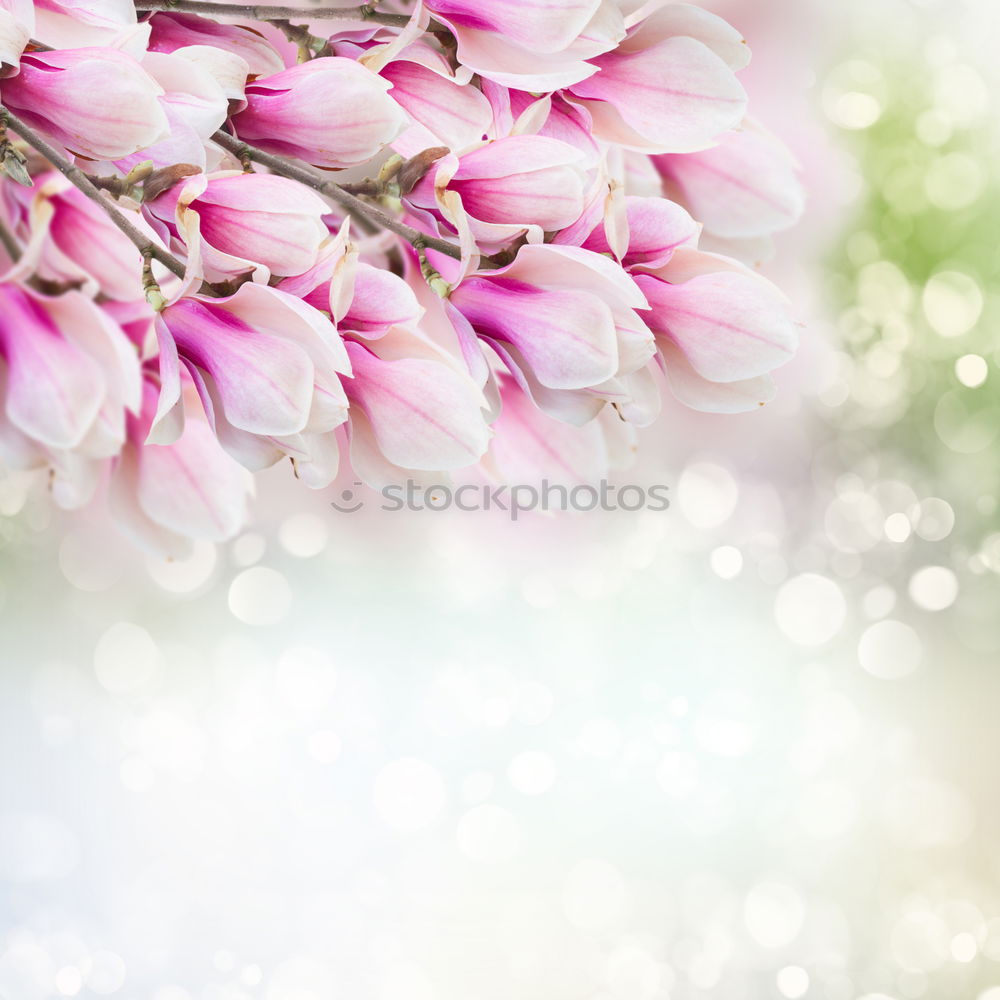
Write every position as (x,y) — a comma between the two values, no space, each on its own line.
(529,447)
(374,300)
(531,44)
(656,227)
(266,364)
(245,220)
(164,495)
(510,185)
(411,414)
(562,319)
(443,111)
(331,112)
(96,102)
(68,374)
(744,187)
(670,86)
(195,103)
(553,116)
(720,329)
(413,407)
(83,244)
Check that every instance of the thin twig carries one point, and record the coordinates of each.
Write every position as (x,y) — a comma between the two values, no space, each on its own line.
(80,180)
(256,12)
(310,46)
(355,206)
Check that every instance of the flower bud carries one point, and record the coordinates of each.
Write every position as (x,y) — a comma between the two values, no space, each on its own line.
(523,180)
(246,219)
(331,112)
(670,87)
(97,102)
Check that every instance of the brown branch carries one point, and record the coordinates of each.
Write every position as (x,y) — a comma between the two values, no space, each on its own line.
(80,180)
(354,206)
(310,46)
(255,12)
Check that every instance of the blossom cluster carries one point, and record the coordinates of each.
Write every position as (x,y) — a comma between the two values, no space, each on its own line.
(425,236)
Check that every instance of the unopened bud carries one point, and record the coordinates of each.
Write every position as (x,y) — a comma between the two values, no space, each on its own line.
(411,173)
(165,178)
(139,173)
(156,298)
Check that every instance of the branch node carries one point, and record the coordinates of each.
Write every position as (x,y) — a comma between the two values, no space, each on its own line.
(150,286)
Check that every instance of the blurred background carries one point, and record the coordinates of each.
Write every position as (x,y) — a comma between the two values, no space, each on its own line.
(744,749)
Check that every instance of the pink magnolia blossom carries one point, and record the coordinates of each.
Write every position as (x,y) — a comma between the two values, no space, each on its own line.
(331,112)
(745,187)
(374,300)
(98,12)
(413,407)
(555,117)
(510,185)
(68,375)
(563,320)
(83,244)
(245,220)
(165,495)
(75,23)
(97,102)
(670,86)
(532,448)
(720,330)
(195,102)
(656,228)
(411,413)
(443,111)
(267,366)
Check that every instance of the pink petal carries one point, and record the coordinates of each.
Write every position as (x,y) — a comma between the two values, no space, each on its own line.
(173,30)
(424,415)
(712,397)
(745,187)
(667,19)
(99,102)
(270,220)
(656,228)
(331,112)
(54,389)
(675,96)
(529,446)
(454,115)
(381,300)
(192,487)
(730,326)
(567,337)
(265,384)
